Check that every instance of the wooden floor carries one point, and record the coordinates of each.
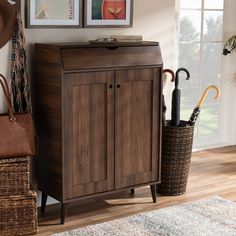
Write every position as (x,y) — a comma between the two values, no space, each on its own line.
(212,173)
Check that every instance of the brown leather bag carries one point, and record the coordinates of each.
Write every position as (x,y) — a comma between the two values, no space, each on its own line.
(17,132)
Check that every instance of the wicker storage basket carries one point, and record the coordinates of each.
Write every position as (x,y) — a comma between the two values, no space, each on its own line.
(14,176)
(18,215)
(176,156)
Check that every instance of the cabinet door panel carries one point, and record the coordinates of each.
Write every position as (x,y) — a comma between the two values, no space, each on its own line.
(136,127)
(89,133)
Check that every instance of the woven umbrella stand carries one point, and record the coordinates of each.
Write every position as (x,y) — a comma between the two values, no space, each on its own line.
(176,157)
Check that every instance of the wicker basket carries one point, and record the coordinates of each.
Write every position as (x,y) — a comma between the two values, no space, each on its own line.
(176,156)
(14,176)
(18,215)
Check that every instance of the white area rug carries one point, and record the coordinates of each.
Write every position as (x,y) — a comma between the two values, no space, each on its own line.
(214,216)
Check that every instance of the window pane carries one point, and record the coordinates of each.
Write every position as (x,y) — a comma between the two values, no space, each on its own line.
(211,60)
(213,24)
(209,118)
(214,4)
(208,124)
(189,57)
(193,4)
(190,26)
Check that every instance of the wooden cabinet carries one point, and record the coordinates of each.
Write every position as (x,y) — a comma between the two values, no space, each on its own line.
(98,110)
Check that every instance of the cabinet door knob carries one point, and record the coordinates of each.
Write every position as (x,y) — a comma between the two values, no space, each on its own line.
(110,86)
(118,86)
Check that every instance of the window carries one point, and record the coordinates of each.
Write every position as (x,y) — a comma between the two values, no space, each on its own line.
(200,51)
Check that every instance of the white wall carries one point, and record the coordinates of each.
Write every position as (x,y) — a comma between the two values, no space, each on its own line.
(5,70)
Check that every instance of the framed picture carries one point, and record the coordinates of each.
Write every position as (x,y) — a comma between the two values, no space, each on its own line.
(54,13)
(15,2)
(108,13)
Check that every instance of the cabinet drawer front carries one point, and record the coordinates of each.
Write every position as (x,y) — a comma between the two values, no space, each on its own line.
(90,58)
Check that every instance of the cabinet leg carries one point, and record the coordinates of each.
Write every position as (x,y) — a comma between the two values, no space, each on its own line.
(64,208)
(154,192)
(132,192)
(43,203)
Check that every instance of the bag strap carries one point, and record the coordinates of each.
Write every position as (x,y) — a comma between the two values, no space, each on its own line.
(5,85)
(7,95)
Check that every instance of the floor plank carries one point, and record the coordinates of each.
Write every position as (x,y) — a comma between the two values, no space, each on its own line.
(213,172)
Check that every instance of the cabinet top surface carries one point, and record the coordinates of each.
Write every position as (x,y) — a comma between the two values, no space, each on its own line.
(90,44)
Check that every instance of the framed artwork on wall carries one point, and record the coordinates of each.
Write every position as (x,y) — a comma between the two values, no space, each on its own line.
(108,13)
(54,13)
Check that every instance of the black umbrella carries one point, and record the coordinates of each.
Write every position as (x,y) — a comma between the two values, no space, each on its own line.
(175,112)
(196,111)
(164,108)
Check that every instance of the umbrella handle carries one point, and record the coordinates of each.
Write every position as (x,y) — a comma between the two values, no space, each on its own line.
(203,98)
(177,76)
(171,72)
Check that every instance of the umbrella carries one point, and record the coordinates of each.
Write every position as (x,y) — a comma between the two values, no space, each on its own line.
(196,111)
(164,108)
(175,112)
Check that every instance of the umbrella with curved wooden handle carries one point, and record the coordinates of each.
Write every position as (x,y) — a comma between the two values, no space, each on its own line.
(164,108)
(196,111)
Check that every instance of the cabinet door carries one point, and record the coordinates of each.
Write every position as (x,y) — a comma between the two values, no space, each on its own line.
(137,126)
(88,106)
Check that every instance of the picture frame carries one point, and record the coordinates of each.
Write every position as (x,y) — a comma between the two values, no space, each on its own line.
(16,3)
(54,14)
(108,14)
